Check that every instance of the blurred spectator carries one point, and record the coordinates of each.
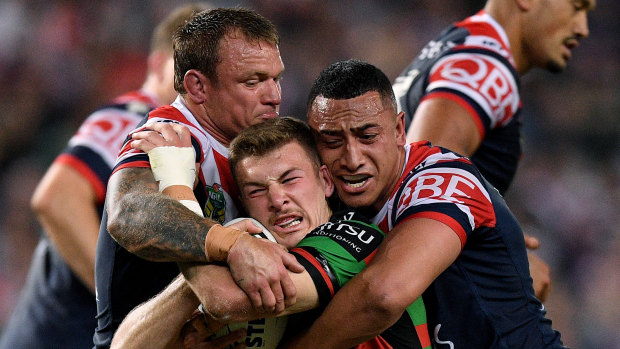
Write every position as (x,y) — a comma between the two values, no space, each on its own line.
(59,59)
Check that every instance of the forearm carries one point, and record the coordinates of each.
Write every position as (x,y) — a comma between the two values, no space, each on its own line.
(150,224)
(157,323)
(66,207)
(386,287)
(226,302)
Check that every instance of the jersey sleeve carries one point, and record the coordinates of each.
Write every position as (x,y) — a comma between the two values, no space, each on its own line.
(446,188)
(93,149)
(336,251)
(130,157)
(481,81)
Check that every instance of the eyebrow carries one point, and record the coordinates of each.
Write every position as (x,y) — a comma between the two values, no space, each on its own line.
(283,175)
(352,129)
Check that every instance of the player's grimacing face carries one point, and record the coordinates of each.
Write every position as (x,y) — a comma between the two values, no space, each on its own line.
(285,192)
(361,141)
(248,87)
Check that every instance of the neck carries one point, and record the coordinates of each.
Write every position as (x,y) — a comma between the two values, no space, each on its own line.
(205,120)
(511,18)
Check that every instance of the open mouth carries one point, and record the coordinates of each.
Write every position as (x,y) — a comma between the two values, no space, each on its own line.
(288,222)
(356,181)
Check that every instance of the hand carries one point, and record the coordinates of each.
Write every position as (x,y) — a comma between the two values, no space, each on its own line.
(196,334)
(160,134)
(541,276)
(539,270)
(260,267)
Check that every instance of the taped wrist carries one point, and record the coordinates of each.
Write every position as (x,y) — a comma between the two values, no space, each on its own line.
(219,241)
(193,205)
(173,166)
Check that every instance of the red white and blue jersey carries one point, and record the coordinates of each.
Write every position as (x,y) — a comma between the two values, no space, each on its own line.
(92,151)
(124,280)
(485,299)
(471,64)
(55,307)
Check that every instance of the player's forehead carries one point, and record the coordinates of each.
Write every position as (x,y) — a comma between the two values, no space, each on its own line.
(275,165)
(339,115)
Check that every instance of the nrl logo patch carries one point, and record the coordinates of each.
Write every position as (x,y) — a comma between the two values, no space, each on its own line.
(215,208)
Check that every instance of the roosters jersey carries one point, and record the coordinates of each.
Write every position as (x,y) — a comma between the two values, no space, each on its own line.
(124,280)
(56,309)
(338,250)
(470,63)
(485,299)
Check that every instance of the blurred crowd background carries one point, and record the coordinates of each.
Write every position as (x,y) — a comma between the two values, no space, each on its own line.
(60,59)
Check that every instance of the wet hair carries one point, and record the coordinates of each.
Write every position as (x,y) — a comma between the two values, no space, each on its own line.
(196,44)
(349,79)
(265,137)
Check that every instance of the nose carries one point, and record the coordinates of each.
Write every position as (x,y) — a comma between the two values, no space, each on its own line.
(277,197)
(581,25)
(352,157)
(273,92)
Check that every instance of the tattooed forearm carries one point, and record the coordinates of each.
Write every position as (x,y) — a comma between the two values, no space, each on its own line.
(150,224)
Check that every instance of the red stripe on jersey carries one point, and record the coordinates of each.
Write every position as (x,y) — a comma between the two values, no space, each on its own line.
(370,257)
(136,95)
(132,165)
(376,343)
(463,103)
(422,331)
(317,266)
(228,184)
(86,172)
(445,219)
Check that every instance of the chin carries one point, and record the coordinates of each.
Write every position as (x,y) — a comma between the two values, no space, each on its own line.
(556,67)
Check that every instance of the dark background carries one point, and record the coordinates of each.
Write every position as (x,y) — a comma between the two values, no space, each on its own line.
(61,59)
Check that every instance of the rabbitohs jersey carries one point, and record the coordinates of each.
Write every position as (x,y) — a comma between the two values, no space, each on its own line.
(485,299)
(338,250)
(125,280)
(470,63)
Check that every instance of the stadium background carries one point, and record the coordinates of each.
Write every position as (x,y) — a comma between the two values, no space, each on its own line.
(61,59)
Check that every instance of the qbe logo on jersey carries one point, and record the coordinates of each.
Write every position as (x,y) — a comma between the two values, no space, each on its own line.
(453,186)
(484,79)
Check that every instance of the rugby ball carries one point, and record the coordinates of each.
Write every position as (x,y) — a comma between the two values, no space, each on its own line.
(261,333)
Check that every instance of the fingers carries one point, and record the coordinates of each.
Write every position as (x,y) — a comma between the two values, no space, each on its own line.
(160,134)
(541,276)
(229,339)
(531,242)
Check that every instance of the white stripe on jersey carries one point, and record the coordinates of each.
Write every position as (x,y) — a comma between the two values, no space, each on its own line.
(470,84)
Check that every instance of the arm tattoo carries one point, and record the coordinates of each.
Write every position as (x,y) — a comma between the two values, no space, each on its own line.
(150,224)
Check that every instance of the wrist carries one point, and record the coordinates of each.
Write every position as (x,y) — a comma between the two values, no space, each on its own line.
(219,241)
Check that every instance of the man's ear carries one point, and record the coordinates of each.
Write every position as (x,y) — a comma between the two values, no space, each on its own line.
(326,180)
(401,133)
(195,84)
(524,5)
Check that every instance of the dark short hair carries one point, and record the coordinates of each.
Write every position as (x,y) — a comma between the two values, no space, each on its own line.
(196,43)
(264,137)
(349,79)
(161,40)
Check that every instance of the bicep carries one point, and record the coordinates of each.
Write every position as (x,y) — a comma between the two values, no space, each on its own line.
(60,187)
(130,180)
(411,257)
(445,123)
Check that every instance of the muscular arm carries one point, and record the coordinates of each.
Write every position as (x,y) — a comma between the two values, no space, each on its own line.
(66,207)
(445,123)
(150,224)
(158,322)
(386,287)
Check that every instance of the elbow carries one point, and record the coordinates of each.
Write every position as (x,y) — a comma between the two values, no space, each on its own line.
(384,301)
(41,203)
